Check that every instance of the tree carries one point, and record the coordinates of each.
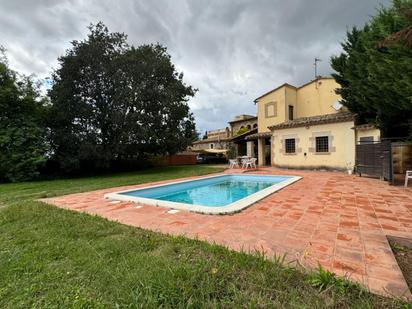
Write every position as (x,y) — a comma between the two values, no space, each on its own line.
(23,143)
(111,100)
(404,35)
(375,70)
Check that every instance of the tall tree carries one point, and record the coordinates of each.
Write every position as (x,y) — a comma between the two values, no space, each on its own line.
(404,35)
(375,70)
(23,143)
(110,100)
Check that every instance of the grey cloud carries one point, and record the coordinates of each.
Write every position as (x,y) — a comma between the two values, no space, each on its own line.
(233,51)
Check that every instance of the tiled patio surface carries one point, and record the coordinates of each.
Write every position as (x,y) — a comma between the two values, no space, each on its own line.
(338,220)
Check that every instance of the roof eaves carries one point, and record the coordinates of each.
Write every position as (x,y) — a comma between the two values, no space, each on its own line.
(240,120)
(204,141)
(315,80)
(273,90)
(365,126)
(258,135)
(250,132)
(315,120)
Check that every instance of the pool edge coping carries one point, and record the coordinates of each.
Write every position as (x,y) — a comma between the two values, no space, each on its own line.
(228,209)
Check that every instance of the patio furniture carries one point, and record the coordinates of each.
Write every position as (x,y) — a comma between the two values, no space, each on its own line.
(407,177)
(250,163)
(233,163)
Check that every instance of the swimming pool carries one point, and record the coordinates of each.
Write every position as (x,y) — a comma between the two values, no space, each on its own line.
(212,195)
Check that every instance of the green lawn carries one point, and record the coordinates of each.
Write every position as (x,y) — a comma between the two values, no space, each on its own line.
(50,257)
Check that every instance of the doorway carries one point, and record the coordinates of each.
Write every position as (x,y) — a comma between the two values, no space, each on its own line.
(268,152)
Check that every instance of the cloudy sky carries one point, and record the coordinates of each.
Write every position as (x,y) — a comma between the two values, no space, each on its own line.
(231,50)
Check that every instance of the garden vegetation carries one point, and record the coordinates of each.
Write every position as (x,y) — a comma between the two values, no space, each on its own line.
(375,70)
(55,258)
(111,105)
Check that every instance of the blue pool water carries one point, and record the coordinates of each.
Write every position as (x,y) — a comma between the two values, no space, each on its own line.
(213,192)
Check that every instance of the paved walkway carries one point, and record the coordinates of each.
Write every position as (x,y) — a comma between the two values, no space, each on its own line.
(337,220)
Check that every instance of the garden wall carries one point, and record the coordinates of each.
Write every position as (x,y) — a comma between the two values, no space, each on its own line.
(176,159)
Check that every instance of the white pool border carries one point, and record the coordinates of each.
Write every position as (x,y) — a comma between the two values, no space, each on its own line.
(228,209)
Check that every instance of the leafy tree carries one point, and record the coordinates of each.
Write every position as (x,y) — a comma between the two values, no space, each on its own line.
(232,151)
(22,132)
(375,70)
(195,136)
(111,101)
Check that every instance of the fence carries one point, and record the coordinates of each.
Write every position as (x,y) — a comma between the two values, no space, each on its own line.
(176,159)
(387,159)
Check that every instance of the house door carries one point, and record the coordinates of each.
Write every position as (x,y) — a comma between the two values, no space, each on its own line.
(268,148)
(255,148)
(241,149)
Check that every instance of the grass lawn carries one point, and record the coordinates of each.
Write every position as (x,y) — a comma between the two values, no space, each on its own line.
(50,257)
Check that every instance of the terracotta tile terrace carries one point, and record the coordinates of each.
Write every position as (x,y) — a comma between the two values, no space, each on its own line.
(340,221)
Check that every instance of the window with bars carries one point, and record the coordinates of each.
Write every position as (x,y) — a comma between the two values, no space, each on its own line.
(322,144)
(290,145)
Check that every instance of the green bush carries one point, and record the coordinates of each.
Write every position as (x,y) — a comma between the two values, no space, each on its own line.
(22,132)
(241,131)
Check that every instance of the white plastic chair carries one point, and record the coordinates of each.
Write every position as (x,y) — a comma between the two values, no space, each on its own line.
(244,163)
(233,163)
(407,177)
(250,163)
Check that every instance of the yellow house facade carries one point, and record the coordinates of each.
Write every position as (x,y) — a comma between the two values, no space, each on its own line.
(307,127)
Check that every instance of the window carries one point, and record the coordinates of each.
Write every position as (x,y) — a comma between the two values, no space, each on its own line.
(290,145)
(211,146)
(366,140)
(322,144)
(271,110)
(290,112)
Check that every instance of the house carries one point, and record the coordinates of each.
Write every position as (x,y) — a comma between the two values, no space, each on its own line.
(306,127)
(243,123)
(222,139)
(216,139)
(241,127)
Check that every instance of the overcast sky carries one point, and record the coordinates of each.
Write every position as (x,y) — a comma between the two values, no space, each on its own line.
(231,50)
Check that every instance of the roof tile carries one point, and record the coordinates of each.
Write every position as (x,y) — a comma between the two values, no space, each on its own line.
(314,120)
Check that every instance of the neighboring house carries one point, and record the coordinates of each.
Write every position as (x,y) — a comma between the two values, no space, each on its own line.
(307,127)
(241,127)
(222,139)
(243,122)
(216,139)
